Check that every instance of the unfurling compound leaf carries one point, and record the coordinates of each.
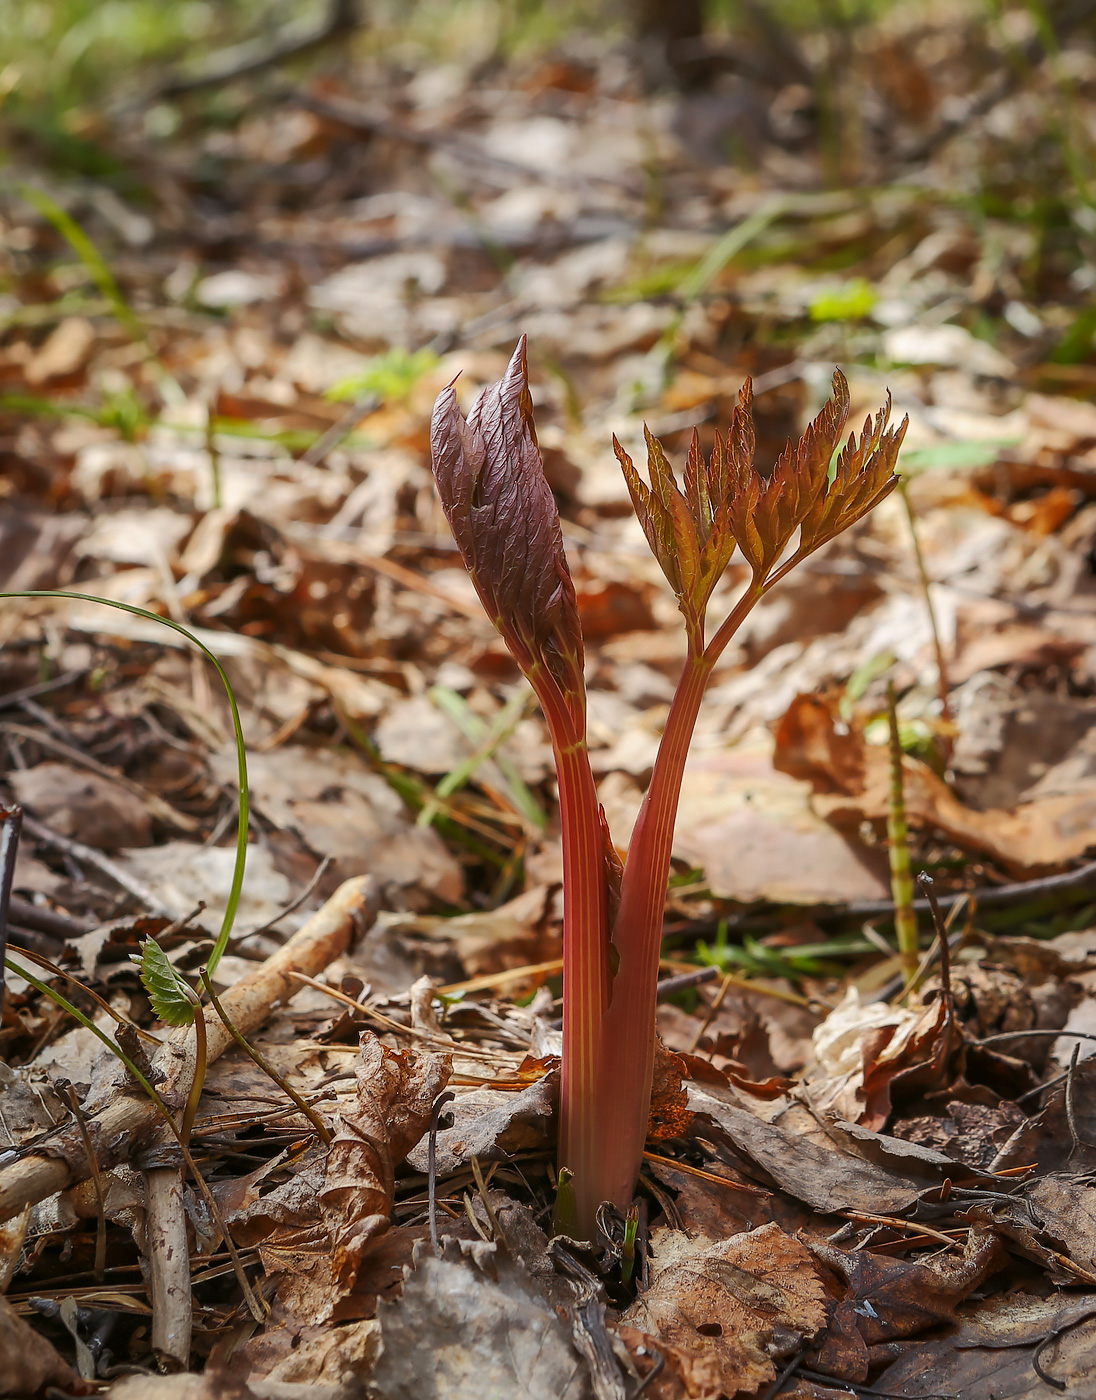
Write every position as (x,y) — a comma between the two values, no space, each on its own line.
(172,1000)
(864,475)
(727,501)
(506,524)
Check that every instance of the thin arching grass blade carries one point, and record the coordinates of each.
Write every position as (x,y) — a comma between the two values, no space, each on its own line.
(236,888)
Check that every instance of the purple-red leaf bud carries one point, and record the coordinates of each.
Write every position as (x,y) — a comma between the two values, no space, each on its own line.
(504,518)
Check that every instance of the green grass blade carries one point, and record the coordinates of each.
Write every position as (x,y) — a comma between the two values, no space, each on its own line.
(88,254)
(729,246)
(489,737)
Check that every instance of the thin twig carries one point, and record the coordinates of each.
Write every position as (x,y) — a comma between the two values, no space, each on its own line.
(255,55)
(100,1264)
(432,1168)
(712,1013)
(31,692)
(784,1377)
(926,883)
(895,1222)
(11,823)
(362,407)
(292,906)
(1070,1101)
(156,805)
(1048,1341)
(861,1389)
(705,1176)
(1034,1031)
(481,1187)
(267,1068)
(122,878)
(47,921)
(660,1361)
(680,981)
(454,1047)
(993,896)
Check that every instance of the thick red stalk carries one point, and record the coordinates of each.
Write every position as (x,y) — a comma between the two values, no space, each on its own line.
(585,982)
(585,948)
(629,1025)
(628,1030)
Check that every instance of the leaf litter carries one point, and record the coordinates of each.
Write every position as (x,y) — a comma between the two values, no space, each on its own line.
(843,1192)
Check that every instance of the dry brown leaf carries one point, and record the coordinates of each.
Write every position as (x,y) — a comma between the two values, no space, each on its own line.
(670,1116)
(989,1354)
(492,1124)
(471,1324)
(396,1093)
(818,1174)
(928,1054)
(852,784)
(892,1298)
(726,1314)
(756,837)
(81,804)
(30,1363)
(64,354)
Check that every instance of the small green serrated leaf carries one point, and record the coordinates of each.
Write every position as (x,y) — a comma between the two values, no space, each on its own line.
(172,1000)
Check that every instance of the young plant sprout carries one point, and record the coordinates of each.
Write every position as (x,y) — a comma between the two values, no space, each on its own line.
(504,518)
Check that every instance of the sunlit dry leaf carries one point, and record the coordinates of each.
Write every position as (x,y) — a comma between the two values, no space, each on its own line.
(851,780)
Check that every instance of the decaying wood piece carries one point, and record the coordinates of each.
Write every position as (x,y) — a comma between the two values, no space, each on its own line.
(168,1266)
(60,1160)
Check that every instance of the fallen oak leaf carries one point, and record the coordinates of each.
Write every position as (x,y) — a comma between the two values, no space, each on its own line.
(723,1315)
(396,1093)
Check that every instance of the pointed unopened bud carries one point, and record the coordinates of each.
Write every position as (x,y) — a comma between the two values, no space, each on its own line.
(505,521)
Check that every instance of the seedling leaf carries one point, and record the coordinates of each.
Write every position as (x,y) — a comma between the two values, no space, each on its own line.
(172,1000)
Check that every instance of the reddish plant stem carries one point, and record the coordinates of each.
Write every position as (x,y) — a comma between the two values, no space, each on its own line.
(585,978)
(628,1028)
(629,1024)
(585,947)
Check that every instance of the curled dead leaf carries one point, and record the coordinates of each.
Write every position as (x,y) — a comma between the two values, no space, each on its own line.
(396,1093)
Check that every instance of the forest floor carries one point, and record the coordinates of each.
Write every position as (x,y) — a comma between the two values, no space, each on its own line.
(224,317)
